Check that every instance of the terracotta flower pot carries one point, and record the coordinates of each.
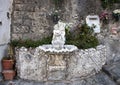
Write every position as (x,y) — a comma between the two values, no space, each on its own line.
(8,74)
(7,64)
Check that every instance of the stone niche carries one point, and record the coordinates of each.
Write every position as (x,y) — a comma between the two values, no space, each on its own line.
(36,64)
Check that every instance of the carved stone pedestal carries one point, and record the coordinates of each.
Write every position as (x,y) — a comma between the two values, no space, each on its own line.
(56,66)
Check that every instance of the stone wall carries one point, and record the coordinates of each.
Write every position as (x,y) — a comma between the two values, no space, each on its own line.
(29,19)
(32,19)
(38,65)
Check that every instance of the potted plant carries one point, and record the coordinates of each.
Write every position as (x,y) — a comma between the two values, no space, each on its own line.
(8,74)
(8,61)
(8,65)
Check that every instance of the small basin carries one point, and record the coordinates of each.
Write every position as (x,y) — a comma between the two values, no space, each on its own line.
(50,48)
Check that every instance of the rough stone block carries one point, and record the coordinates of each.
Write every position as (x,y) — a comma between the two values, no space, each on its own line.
(19,1)
(25,7)
(33,66)
(56,75)
(27,22)
(19,7)
(16,36)
(18,15)
(28,15)
(33,36)
(31,1)
(113,70)
(17,21)
(20,29)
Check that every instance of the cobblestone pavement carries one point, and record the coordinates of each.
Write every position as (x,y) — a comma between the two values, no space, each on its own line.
(110,75)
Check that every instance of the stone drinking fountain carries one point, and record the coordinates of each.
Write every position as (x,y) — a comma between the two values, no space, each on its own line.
(58,41)
(58,61)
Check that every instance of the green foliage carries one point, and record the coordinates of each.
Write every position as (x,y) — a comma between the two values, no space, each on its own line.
(109,3)
(30,43)
(83,39)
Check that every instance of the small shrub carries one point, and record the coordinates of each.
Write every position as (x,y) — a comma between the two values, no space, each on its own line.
(83,39)
(30,43)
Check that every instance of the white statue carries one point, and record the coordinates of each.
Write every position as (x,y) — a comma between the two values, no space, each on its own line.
(58,39)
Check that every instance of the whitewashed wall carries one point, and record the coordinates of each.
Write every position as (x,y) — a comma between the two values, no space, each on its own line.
(5,20)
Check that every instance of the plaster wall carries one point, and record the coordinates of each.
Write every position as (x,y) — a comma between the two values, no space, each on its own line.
(5,22)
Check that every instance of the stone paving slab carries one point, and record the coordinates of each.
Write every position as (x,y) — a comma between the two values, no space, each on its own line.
(99,79)
(113,70)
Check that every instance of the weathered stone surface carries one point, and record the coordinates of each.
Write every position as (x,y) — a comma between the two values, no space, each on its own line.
(40,14)
(94,7)
(16,36)
(39,65)
(56,83)
(25,7)
(56,67)
(118,81)
(113,70)
(32,67)
(21,29)
(18,14)
(98,79)
(19,1)
(86,62)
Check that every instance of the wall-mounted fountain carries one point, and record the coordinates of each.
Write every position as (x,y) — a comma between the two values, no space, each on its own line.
(58,61)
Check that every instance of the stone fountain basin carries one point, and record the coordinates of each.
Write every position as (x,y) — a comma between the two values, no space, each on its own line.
(50,48)
(44,64)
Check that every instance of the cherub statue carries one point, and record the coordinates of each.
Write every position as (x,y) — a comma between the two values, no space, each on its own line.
(58,39)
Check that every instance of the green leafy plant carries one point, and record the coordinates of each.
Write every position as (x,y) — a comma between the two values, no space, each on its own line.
(83,39)
(31,43)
